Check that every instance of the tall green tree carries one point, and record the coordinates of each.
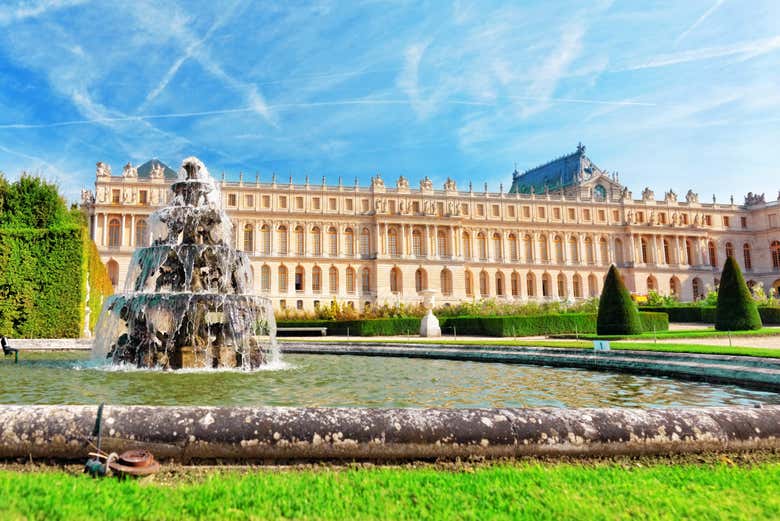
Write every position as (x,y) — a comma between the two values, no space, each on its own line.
(736,311)
(32,202)
(618,315)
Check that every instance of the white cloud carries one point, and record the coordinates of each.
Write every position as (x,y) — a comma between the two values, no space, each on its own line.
(743,50)
(27,10)
(409,79)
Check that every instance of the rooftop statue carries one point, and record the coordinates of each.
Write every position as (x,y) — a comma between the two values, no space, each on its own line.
(129,171)
(403,183)
(377,181)
(102,169)
(691,197)
(647,194)
(752,199)
(450,186)
(426,185)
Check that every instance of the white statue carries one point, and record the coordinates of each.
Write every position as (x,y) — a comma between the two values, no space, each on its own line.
(429,325)
(130,171)
(102,169)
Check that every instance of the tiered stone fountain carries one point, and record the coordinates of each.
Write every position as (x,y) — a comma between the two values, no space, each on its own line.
(187,301)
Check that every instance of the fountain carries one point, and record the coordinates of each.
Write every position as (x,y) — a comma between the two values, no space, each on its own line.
(187,300)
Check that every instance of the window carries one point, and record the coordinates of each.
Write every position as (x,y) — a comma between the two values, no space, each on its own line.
(283,304)
(496,210)
(651,284)
(589,251)
(667,252)
(528,249)
(349,242)
(333,242)
(266,201)
(143,197)
(265,237)
(546,282)
(726,221)
(333,279)
(299,279)
(299,305)
(364,205)
(395,280)
(141,233)
(696,286)
(365,242)
(602,216)
(282,236)
(420,280)
(572,214)
(774,249)
(558,249)
(562,289)
(674,286)
(729,249)
(365,280)
(497,247)
(316,241)
(332,204)
(599,193)
(604,250)
(513,250)
(576,284)
(515,281)
(544,252)
(540,212)
(417,242)
(300,244)
(644,250)
(445,282)
(510,210)
(484,285)
(315,203)
(348,204)
(586,214)
(116,196)
(469,283)
(747,257)
(392,242)
(530,285)
(114,233)
(480,210)
(443,244)
(316,279)
(232,200)
(689,252)
(499,284)
(743,222)
(466,245)
(249,201)
(557,214)
(526,212)
(574,252)
(482,245)
(282,279)
(249,238)
(350,281)
(265,278)
(299,203)
(712,253)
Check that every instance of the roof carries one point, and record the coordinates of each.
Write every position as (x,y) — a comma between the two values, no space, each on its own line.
(145,170)
(559,173)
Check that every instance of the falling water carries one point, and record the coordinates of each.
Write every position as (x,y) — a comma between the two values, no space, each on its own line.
(187,299)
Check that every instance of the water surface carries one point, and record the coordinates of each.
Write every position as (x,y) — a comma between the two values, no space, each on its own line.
(355,381)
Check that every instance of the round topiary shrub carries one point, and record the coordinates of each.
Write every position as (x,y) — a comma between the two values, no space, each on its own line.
(736,311)
(618,314)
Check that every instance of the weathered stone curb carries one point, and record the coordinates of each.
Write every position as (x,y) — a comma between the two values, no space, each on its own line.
(51,344)
(191,434)
(745,371)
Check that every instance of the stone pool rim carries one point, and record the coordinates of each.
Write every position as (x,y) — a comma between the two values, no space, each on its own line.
(293,434)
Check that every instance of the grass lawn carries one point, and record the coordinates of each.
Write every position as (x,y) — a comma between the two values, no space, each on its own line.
(709,332)
(574,344)
(510,490)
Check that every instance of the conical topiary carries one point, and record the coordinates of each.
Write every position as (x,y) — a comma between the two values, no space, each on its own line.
(736,309)
(618,314)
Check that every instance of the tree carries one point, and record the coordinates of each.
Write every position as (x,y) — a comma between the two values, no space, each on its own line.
(618,315)
(31,202)
(736,311)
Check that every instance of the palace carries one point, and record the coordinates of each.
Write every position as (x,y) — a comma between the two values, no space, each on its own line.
(552,235)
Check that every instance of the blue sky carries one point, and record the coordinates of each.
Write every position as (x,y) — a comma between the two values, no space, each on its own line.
(668,94)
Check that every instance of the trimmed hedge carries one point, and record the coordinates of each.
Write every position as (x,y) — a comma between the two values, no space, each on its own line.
(736,310)
(617,312)
(706,314)
(498,326)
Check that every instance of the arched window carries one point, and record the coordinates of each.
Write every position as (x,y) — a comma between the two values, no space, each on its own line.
(712,253)
(696,286)
(563,290)
(365,280)
(350,280)
(420,280)
(443,244)
(249,238)
(114,233)
(396,283)
(417,243)
(729,249)
(349,242)
(482,246)
(574,250)
(652,285)
(299,278)
(528,249)
(558,249)
(466,245)
(576,284)
(498,252)
(282,279)
(589,251)
(530,284)
(113,272)
(333,279)
(365,242)
(392,242)
(604,247)
(618,252)
(774,249)
(667,252)
(265,237)
(674,287)
(316,279)
(300,243)
(546,285)
(544,253)
(643,250)
(282,236)
(747,257)
(515,284)
(469,283)
(445,281)
(316,241)
(484,289)
(593,286)
(265,278)
(499,284)
(514,253)
(599,193)
(333,241)
(141,233)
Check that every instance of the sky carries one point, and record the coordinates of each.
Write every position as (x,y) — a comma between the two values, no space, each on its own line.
(668,94)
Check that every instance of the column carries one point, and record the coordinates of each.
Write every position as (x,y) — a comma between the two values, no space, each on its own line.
(105,230)
(581,253)
(122,232)
(132,230)
(451,240)
(632,250)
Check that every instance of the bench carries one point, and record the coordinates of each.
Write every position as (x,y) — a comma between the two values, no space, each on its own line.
(321,330)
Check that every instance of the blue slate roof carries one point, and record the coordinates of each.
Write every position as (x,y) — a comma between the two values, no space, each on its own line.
(559,173)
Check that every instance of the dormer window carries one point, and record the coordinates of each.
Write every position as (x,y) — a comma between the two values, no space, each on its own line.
(600,193)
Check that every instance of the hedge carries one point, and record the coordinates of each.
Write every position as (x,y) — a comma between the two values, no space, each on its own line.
(617,312)
(99,282)
(706,314)
(736,309)
(498,326)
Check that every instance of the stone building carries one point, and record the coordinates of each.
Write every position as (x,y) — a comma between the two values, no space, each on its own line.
(552,235)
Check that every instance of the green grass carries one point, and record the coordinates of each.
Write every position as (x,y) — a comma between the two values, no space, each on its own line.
(696,333)
(578,344)
(506,491)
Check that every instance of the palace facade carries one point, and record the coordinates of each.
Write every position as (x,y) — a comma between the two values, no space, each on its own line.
(552,235)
